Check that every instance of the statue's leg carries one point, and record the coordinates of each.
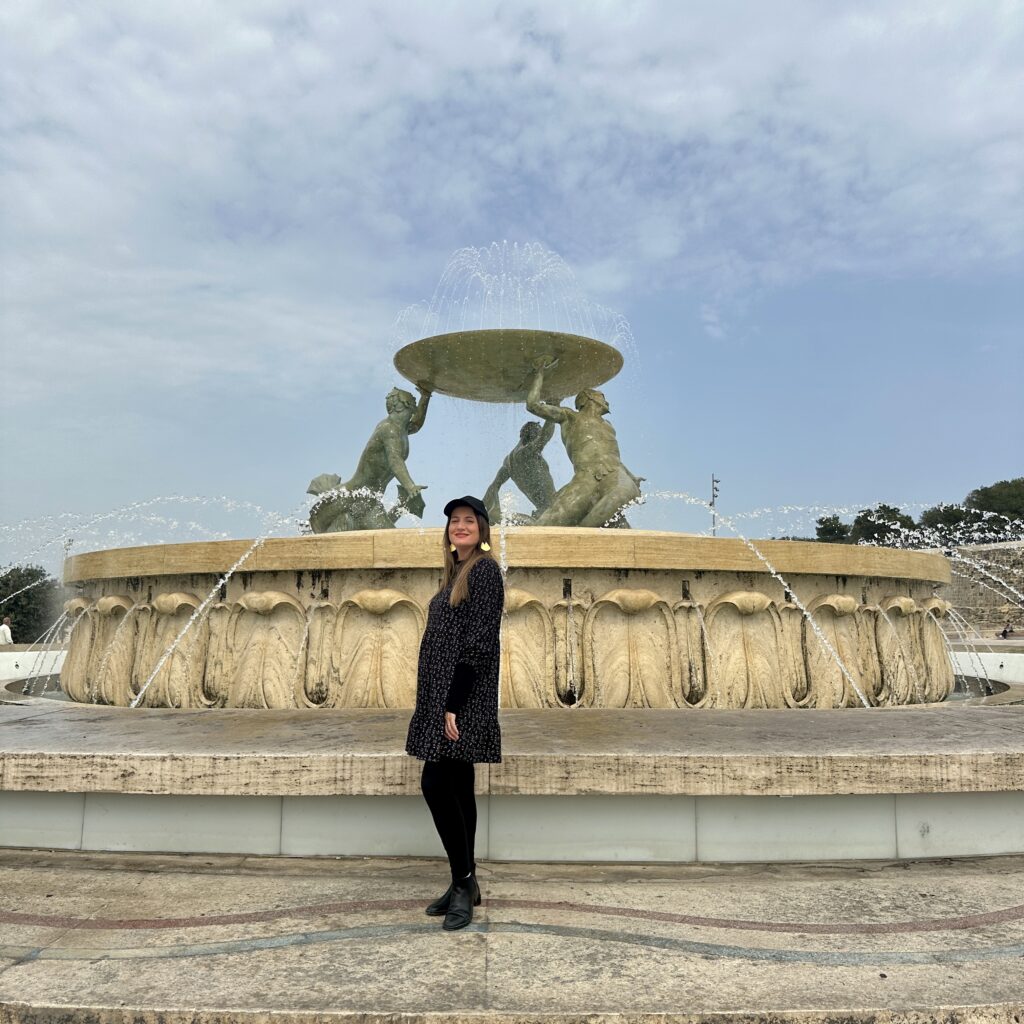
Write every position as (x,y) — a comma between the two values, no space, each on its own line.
(570,504)
(331,515)
(611,503)
(376,515)
(367,512)
(541,495)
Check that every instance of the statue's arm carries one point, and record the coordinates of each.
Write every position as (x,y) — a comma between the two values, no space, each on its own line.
(491,497)
(421,408)
(396,463)
(552,413)
(546,434)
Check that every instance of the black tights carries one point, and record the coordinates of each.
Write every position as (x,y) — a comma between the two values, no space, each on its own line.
(448,789)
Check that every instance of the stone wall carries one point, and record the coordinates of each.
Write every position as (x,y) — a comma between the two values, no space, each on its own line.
(987,603)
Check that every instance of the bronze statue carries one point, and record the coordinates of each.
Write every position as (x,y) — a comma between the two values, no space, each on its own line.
(358,504)
(601,486)
(526,467)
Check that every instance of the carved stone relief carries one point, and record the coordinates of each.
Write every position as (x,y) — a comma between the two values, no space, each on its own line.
(629,651)
(829,683)
(748,651)
(323,671)
(217,673)
(365,654)
(691,646)
(628,647)
(570,686)
(74,676)
(795,686)
(938,667)
(180,681)
(898,639)
(266,637)
(527,653)
(113,650)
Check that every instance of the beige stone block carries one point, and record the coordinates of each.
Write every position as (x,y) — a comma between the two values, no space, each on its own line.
(545,752)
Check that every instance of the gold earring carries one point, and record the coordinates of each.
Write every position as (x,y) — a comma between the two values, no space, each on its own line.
(451,547)
(485,546)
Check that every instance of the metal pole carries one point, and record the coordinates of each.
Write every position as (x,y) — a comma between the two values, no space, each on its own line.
(714,515)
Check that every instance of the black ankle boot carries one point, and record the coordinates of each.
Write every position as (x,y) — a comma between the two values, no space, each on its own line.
(465,894)
(440,906)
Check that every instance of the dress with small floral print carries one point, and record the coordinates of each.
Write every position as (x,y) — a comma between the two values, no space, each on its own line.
(468,634)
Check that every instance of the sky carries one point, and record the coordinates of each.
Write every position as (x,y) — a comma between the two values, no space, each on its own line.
(811,215)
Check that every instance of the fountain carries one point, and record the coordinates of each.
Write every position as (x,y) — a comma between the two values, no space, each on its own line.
(671,678)
(651,619)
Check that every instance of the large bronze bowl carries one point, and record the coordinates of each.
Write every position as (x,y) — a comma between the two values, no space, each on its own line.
(498,365)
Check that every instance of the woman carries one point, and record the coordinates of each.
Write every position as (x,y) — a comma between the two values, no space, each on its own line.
(455,723)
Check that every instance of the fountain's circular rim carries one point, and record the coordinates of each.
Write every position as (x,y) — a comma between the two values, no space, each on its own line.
(498,364)
(526,547)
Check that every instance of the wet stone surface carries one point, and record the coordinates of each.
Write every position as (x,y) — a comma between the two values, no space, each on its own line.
(47,746)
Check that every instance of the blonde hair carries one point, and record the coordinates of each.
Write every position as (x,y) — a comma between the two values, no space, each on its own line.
(456,573)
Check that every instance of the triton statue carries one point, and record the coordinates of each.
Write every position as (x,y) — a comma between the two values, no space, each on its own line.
(601,486)
(358,504)
(526,467)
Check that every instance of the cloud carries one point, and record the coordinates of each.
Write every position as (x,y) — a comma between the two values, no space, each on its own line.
(712,322)
(250,192)
(321,151)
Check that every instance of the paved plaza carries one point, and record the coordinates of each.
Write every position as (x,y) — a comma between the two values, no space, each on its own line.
(108,937)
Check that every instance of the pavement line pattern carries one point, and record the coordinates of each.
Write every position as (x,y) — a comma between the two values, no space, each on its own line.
(825,958)
(964,922)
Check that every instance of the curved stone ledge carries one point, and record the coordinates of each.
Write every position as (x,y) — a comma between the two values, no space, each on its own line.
(59,747)
(562,547)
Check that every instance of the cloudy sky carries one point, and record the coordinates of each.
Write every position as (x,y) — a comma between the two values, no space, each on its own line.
(811,214)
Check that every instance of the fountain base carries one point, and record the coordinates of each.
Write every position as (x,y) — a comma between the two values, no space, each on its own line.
(588,785)
(594,619)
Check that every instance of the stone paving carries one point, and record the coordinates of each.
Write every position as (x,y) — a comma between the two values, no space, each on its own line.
(169,939)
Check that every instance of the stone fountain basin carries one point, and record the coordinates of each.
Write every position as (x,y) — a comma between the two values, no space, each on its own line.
(499,364)
(610,619)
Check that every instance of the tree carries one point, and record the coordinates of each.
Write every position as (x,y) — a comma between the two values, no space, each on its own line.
(988,514)
(832,530)
(30,596)
(954,524)
(883,524)
(1005,497)
(944,517)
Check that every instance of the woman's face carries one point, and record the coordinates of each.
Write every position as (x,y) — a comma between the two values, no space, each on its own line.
(463,529)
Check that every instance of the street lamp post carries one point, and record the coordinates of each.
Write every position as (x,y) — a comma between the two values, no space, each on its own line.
(714,494)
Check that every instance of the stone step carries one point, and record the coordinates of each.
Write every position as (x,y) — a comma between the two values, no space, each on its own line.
(644,785)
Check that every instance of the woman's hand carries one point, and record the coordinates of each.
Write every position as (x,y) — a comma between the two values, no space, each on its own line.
(451,730)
